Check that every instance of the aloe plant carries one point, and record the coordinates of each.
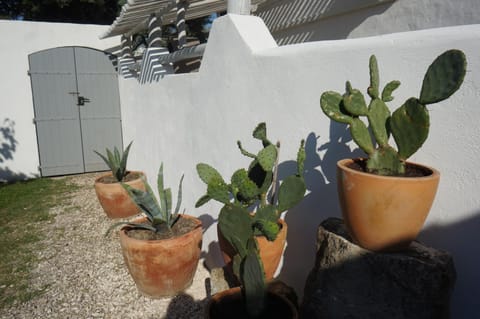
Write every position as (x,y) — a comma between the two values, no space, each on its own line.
(409,124)
(116,161)
(158,212)
(250,188)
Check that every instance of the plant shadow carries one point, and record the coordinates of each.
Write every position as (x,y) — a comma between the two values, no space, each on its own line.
(319,203)
(8,146)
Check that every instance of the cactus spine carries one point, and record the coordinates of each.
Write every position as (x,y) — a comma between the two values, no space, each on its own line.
(253,187)
(409,124)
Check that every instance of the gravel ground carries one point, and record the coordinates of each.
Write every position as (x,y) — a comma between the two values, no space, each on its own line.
(85,274)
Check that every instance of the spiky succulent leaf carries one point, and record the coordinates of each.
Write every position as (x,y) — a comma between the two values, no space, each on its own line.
(202,200)
(267,157)
(388,90)
(253,279)
(410,125)
(144,200)
(378,116)
(161,190)
(443,77)
(361,135)
(373,89)
(354,103)
(236,265)
(123,162)
(168,209)
(385,161)
(291,192)
(235,223)
(207,173)
(332,104)
(179,196)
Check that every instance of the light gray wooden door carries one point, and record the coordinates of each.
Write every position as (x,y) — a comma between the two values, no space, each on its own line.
(77,108)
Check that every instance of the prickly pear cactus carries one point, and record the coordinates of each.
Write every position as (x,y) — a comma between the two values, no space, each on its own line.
(409,124)
(250,188)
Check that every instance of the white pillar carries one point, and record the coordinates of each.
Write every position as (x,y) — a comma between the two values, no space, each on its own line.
(239,7)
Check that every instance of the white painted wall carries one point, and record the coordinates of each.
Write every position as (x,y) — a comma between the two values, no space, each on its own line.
(295,21)
(19,39)
(245,79)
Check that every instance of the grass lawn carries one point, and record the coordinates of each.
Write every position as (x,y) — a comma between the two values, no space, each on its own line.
(24,206)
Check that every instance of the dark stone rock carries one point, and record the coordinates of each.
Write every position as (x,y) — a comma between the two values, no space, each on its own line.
(348,281)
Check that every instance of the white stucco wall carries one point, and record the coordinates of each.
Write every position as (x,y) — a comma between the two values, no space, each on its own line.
(346,19)
(245,79)
(19,39)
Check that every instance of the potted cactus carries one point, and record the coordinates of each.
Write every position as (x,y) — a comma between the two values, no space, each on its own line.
(162,249)
(256,187)
(251,299)
(385,199)
(114,199)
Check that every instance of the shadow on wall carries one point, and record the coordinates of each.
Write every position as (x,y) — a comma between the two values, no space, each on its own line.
(461,239)
(320,202)
(8,146)
(301,21)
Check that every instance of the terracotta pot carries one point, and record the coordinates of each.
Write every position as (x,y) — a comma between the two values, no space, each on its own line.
(384,212)
(270,251)
(229,304)
(162,267)
(114,199)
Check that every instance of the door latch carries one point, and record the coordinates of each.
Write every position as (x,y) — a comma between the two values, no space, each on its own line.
(82,100)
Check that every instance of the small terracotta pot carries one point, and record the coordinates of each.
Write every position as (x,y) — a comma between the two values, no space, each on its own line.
(230,304)
(162,267)
(114,198)
(384,213)
(270,251)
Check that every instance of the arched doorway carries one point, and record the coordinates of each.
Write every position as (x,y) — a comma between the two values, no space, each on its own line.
(77,108)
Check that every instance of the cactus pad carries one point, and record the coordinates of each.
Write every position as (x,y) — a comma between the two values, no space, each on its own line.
(385,161)
(444,76)
(373,89)
(378,118)
(388,90)
(219,191)
(361,135)
(267,157)
(410,125)
(354,103)
(247,189)
(332,103)
(208,173)
(291,192)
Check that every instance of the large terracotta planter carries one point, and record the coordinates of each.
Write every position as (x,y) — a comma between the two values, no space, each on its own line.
(229,304)
(163,267)
(384,212)
(114,198)
(270,251)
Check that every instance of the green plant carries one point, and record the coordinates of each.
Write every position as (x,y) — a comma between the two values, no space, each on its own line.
(117,162)
(158,212)
(409,124)
(250,188)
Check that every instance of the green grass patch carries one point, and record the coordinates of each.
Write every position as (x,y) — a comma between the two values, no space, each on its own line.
(24,206)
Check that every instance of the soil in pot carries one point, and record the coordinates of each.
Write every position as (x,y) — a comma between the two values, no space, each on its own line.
(181,227)
(229,304)
(109,179)
(411,170)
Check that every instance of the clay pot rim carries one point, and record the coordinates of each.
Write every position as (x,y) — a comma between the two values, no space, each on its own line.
(198,227)
(97,180)
(342,164)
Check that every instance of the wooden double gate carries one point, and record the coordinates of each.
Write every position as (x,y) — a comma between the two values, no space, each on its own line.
(77,108)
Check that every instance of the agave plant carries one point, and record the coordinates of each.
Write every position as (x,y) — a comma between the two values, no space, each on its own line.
(158,212)
(116,161)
